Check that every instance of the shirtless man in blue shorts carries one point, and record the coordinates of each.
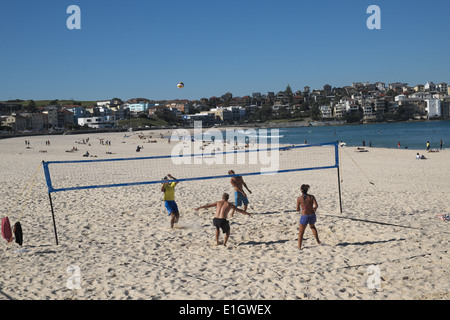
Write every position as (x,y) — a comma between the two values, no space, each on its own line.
(239,195)
(220,218)
(309,206)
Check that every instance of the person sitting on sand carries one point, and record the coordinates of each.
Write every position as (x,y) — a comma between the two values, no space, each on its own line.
(309,206)
(220,218)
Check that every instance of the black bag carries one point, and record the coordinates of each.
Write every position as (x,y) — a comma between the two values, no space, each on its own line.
(18,233)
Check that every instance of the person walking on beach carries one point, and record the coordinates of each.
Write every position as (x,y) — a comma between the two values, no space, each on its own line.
(308,206)
(220,217)
(239,195)
(428,145)
(441,144)
(169,199)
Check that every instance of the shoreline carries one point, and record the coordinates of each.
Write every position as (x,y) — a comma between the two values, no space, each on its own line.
(288,136)
(159,134)
(270,125)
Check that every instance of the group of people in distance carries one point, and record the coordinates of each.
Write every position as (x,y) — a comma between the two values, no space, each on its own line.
(306,203)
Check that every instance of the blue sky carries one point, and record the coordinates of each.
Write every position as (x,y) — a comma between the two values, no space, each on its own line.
(143,48)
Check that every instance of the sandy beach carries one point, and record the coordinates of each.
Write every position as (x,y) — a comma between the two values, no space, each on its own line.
(117,244)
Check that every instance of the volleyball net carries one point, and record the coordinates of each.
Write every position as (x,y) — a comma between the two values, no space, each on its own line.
(212,161)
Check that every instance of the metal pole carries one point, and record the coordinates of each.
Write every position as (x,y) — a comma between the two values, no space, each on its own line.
(336,153)
(53,217)
(339,187)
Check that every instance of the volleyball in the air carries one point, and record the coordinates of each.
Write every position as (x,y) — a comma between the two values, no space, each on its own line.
(180,85)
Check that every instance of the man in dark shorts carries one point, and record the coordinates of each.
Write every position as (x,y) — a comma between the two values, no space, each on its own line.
(309,206)
(220,218)
(240,198)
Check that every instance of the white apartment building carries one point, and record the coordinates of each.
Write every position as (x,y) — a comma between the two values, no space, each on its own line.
(421,95)
(400,97)
(367,110)
(98,122)
(430,86)
(103,103)
(442,87)
(351,106)
(381,86)
(340,110)
(433,107)
(326,111)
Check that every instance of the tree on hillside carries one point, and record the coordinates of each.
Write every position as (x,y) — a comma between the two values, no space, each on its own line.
(289,94)
(264,113)
(284,113)
(166,115)
(117,101)
(354,117)
(315,111)
(31,107)
(288,90)
(391,93)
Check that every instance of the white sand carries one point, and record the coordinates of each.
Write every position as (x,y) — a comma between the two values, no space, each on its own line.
(120,241)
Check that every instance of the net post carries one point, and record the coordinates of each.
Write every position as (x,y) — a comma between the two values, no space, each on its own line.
(50,189)
(53,217)
(339,187)
(336,152)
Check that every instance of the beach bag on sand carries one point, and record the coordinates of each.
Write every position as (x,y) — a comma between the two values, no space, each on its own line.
(6,229)
(17,229)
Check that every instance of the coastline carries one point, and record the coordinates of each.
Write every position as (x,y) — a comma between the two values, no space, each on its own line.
(282,124)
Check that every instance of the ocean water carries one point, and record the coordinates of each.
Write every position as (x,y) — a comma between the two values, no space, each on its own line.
(413,135)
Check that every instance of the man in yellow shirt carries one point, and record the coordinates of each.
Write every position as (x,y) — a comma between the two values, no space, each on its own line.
(169,199)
